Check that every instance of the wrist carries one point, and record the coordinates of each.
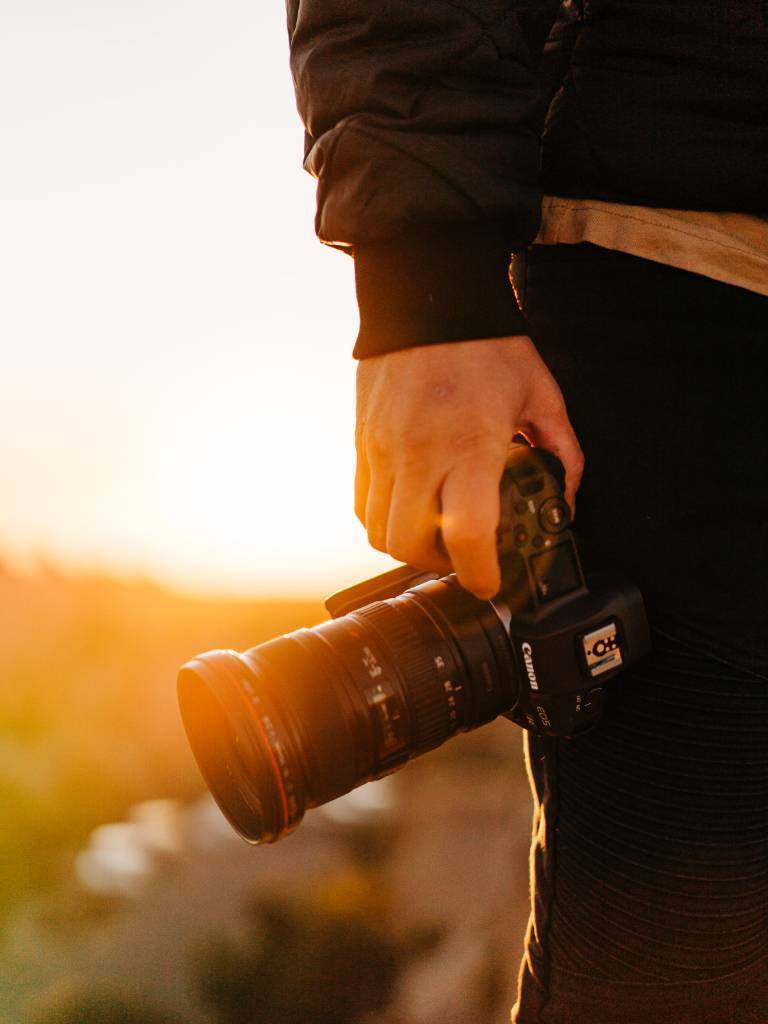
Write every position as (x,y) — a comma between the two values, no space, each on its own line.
(432,287)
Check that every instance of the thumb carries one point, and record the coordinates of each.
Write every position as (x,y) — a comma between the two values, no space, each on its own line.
(558,436)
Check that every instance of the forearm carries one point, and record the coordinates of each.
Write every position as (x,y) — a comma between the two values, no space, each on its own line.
(422,131)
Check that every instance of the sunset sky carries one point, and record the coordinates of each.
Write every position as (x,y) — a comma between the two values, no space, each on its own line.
(176,396)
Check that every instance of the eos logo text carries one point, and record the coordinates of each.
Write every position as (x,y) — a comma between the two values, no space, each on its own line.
(528,659)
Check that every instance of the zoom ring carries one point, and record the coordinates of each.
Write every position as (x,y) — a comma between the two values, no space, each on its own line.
(425,696)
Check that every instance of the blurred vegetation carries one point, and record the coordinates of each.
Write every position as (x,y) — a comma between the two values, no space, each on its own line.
(69,1004)
(88,714)
(332,958)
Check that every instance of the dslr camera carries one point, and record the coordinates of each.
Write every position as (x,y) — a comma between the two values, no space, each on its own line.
(408,660)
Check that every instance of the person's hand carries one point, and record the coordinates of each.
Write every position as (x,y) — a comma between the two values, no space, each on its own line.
(433,428)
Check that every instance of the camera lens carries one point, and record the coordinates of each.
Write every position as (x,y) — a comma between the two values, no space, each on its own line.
(303,719)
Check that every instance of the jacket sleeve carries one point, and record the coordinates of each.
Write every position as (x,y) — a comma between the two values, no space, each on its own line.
(422,128)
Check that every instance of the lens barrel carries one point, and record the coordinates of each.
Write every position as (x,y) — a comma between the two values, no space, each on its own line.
(298,721)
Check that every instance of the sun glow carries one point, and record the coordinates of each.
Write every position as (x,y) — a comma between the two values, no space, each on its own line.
(177,392)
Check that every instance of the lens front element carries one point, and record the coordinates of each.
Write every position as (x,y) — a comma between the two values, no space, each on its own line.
(303,719)
(240,746)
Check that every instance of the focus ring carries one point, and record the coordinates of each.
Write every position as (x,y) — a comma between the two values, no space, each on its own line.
(423,690)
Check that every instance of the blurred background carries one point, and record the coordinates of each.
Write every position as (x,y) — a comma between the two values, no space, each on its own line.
(176,461)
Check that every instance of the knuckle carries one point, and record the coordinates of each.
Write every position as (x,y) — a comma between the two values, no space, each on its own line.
(377,444)
(360,496)
(573,462)
(472,521)
(470,541)
(405,547)
(405,553)
(463,534)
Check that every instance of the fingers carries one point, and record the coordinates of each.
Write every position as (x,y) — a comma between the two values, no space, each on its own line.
(377,508)
(373,490)
(362,482)
(555,433)
(414,520)
(470,500)
(402,514)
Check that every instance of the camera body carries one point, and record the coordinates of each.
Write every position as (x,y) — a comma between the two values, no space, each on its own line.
(567,638)
(407,661)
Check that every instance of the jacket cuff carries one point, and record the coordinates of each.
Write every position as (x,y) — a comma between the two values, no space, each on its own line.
(428,288)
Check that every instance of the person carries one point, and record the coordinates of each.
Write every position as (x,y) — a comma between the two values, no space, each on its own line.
(618,149)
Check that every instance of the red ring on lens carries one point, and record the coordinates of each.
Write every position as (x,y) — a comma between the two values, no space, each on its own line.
(278,774)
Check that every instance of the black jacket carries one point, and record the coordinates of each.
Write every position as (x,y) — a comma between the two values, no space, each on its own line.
(433,126)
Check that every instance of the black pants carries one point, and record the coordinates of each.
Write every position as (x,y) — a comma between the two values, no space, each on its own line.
(650,856)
